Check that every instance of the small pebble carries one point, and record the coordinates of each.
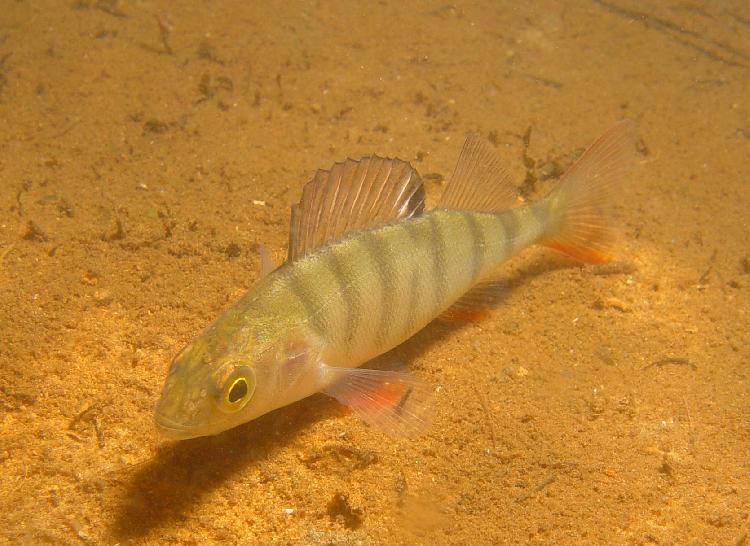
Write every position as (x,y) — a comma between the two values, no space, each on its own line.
(90,279)
(617,304)
(103,297)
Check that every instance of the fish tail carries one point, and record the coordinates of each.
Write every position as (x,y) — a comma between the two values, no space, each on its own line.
(578,222)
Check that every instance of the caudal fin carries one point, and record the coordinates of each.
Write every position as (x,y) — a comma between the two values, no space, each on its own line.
(578,221)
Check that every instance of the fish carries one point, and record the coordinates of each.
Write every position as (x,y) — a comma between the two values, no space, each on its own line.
(367,267)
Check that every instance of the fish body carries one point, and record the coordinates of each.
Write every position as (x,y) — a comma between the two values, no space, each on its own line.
(366,285)
(369,292)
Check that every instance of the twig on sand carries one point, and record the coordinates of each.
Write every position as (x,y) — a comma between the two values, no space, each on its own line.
(6,252)
(488,418)
(679,360)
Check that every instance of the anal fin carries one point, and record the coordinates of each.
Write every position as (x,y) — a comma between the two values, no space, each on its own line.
(475,305)
(395,402)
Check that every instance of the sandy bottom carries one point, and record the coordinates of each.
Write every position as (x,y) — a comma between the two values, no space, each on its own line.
(147,149)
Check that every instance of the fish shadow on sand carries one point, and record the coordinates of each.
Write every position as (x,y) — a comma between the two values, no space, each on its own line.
(437,331)
(162,490)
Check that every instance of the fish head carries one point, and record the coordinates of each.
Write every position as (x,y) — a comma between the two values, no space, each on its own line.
(203,395)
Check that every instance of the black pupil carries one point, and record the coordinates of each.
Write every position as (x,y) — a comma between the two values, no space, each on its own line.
(238,391)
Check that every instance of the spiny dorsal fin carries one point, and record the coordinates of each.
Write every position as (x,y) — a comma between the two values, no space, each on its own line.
(479,181)
(354,194)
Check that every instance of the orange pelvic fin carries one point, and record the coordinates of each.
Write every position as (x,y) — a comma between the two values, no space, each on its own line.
(395,402)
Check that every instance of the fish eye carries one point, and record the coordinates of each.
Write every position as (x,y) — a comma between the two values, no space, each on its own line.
(237,390)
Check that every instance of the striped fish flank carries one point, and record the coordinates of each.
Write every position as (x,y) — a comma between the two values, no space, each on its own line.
(445,251)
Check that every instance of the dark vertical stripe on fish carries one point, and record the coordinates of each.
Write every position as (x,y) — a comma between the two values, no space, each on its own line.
(387,274)
(437,247)
(417,281)
(540,212)
(477,243)
(509,221)
(414,302)
(350,296)
(413,232)
(300,291)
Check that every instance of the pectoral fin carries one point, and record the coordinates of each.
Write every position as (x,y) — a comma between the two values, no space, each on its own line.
(395,402)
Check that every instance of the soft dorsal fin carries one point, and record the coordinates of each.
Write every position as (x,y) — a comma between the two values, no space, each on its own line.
(352,195)
(479,181)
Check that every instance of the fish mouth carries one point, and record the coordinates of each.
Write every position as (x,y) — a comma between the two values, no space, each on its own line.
(174,430)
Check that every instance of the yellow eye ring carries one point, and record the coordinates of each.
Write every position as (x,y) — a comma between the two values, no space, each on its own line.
(238,389)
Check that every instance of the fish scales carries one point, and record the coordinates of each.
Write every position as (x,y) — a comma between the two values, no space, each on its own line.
(352,292)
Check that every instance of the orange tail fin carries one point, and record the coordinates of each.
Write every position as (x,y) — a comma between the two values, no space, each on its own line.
(578,222)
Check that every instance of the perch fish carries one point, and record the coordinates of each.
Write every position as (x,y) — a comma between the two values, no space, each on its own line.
(367,268)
